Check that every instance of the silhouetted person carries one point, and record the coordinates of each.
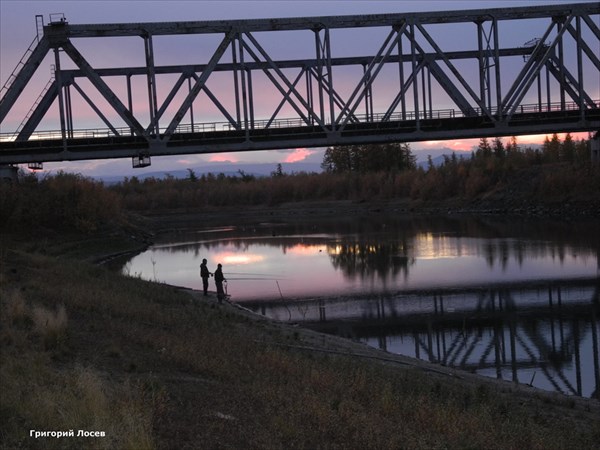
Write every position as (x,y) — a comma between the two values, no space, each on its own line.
(219,278)
(204,274)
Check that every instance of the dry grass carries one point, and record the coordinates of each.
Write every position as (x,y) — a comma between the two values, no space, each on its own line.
(50,326)
(148,366)
(39,394)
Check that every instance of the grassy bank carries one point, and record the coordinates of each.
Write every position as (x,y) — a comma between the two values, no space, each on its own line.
(153,366)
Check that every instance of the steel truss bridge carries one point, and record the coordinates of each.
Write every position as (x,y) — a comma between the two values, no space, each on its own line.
(241,91)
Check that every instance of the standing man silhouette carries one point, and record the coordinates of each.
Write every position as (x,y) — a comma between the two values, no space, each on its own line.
(219,278)
(204,274)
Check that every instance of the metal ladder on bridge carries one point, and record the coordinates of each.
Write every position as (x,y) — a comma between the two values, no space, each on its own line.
(39,24)
(35,104)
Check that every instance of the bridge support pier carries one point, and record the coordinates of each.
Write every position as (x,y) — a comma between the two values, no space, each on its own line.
(8,173)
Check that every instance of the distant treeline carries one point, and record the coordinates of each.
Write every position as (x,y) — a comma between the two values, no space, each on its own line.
(558,171)
(384,172)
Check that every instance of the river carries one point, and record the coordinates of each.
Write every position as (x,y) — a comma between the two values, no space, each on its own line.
(511,298)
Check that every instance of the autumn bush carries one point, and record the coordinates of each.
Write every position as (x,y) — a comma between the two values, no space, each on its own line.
(64,201)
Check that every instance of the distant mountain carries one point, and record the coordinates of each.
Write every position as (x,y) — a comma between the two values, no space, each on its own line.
(437,155)
(229,169)
(310,165)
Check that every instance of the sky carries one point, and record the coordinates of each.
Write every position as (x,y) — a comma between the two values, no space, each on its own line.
(18,28)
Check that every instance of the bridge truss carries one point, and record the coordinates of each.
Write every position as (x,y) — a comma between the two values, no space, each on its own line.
(239,90)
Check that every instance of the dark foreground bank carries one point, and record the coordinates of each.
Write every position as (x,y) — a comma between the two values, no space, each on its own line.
(154,366)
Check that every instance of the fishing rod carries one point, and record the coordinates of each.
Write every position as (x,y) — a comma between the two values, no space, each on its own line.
(254,279)
(248,273)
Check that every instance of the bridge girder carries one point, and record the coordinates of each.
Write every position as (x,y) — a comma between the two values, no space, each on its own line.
(322,114)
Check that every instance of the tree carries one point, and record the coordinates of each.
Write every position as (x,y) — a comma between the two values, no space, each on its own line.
(551,149)
(337,159)
(567,149)
(364,158)
(484,150)
(512,145)
(278,172)
(498,148)
(583,152)
(192,175)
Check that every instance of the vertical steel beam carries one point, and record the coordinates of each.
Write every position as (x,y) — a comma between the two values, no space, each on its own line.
(236,81)
(61,102)
(68,110)
(498,79)
(250,98)
(580,67)
(430,93)
(561,59)
(319,51)
(153,128)
(483,81)
(129,99)
(424,94)
(309,92)
(415,84)
(401,79)
(189,80)
(244,73)
(330,86)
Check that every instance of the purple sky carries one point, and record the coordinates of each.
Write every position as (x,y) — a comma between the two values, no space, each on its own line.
(17,29)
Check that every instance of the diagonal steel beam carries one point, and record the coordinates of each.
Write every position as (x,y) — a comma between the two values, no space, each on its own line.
(572,85)
(528,81)
(200,82)
(39,113)
(285,80)
(103,88)
(402,93)
(217,103)
(593,56)
(444,80)
(95,108)
(529,68)
(455,72)
(337,98)
(370,74)
(283,100)
(590,23)
(35,59)
(158,114)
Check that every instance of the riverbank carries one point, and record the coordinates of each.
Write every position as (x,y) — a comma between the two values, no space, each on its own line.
(154,366)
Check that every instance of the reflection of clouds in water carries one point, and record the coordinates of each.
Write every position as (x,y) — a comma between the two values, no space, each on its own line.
(237,258)
(375,254)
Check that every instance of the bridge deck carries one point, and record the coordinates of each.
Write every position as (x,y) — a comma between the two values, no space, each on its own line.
(219,137)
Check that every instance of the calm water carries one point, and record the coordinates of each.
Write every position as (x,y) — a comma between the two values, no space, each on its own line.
(513,299)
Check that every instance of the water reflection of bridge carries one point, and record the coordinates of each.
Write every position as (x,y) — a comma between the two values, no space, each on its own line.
(543,333)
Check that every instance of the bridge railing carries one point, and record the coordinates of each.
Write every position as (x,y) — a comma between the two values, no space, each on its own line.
(376,118)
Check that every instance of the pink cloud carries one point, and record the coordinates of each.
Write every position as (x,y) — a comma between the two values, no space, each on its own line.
(300,154)
(224,157)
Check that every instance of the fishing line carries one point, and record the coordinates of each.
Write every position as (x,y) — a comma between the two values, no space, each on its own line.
(253,279)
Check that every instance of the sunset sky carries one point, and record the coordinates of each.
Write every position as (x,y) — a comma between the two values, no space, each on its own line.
(18,28)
